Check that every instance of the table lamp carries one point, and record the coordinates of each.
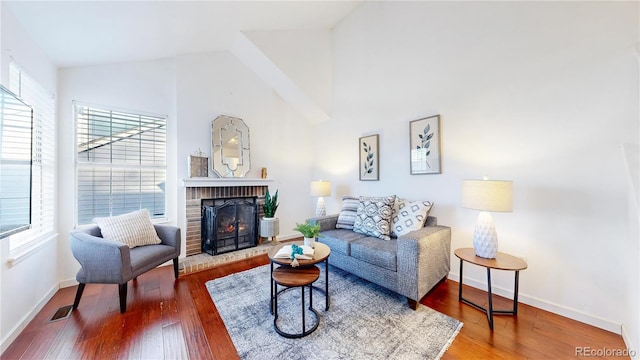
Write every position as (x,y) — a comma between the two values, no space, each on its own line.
(320,189)
(487,195)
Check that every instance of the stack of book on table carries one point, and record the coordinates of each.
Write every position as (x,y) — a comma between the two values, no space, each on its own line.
(285,252)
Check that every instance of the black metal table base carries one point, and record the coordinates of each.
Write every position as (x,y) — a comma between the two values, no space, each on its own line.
(325,290)
(489,310)
(305,331)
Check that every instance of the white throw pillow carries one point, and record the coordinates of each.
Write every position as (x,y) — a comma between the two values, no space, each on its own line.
(374,216)
(347,215)
(133,229)
(409,216)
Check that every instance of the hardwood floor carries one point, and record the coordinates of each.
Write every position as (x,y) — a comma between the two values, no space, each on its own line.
(177,320)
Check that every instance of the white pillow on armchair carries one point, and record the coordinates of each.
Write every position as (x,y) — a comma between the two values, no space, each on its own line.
(133,229)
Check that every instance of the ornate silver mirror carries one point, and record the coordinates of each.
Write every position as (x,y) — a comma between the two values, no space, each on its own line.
(230,150)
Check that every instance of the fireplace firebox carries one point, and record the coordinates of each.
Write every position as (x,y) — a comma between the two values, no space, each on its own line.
(229,224)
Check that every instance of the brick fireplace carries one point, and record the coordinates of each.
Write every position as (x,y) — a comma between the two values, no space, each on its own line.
(196,190)
(229,224)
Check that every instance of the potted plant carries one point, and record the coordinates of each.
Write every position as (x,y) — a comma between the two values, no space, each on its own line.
(310,232)
(269,224)
(270,204)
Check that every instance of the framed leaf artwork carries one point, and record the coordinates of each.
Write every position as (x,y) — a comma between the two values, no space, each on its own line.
(369,158)
(424,143)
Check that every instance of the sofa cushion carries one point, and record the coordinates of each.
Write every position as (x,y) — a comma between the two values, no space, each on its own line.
(348,213)
(375,252)
(374,216)
(339,240)
(133,229)
(409,216)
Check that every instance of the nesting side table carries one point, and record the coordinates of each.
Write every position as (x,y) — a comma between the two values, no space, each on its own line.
(290,277)
(501,262)
(303,275)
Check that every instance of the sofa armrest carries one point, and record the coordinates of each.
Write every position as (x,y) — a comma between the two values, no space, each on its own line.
(326,222)
(102,261)
(423,258)
(170,235)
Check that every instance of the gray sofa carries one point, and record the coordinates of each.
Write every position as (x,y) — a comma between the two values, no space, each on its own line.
(410,265)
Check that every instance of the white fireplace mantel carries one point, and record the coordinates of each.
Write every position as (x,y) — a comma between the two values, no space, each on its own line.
(223,182)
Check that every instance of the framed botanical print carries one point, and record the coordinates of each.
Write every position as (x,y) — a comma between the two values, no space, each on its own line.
(369,158)
(424,145)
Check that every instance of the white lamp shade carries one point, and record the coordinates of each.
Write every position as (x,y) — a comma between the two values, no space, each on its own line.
(320,188)
(488,195)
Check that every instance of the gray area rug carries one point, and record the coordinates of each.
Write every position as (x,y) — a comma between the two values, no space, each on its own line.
(364,321)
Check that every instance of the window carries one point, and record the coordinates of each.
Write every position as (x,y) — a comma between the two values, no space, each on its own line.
(15,164)
(120,162)
(43,169)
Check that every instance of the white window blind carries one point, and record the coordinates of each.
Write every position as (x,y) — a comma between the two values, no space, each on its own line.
(120,162)
(15,164)
(43,177)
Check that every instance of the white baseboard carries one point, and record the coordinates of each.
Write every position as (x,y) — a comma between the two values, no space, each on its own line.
(544,305)
(628,341)
(26,319)
(68,283)
(288,237)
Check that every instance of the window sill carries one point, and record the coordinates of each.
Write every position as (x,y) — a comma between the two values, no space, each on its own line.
(24,252)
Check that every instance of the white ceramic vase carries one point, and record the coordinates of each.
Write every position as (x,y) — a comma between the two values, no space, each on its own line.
(310,241)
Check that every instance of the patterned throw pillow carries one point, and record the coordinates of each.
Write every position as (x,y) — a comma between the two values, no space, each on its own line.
(347,215)
(409,216)
(133,229)
(374,216)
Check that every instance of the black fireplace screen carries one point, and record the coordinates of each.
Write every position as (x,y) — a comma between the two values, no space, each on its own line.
(229,224)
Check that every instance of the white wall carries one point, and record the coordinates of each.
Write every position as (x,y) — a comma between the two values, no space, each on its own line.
(541,93)
(20,302)
(142,86)
(215,84)
(305,56)
(631,329)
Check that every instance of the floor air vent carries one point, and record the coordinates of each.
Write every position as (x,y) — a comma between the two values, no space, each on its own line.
(61,313)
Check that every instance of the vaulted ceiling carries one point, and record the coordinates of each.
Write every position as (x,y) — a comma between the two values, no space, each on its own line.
(78,33)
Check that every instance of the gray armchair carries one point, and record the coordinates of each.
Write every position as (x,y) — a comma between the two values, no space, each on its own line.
(109,262)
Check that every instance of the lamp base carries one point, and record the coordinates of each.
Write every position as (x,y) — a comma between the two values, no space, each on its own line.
(321,210)
(485,237)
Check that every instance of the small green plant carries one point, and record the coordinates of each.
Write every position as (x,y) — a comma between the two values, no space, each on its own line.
(308,230)
(270,204)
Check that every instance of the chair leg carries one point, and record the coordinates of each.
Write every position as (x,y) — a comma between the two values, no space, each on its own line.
(76,302)
(122,289)
(175,267)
